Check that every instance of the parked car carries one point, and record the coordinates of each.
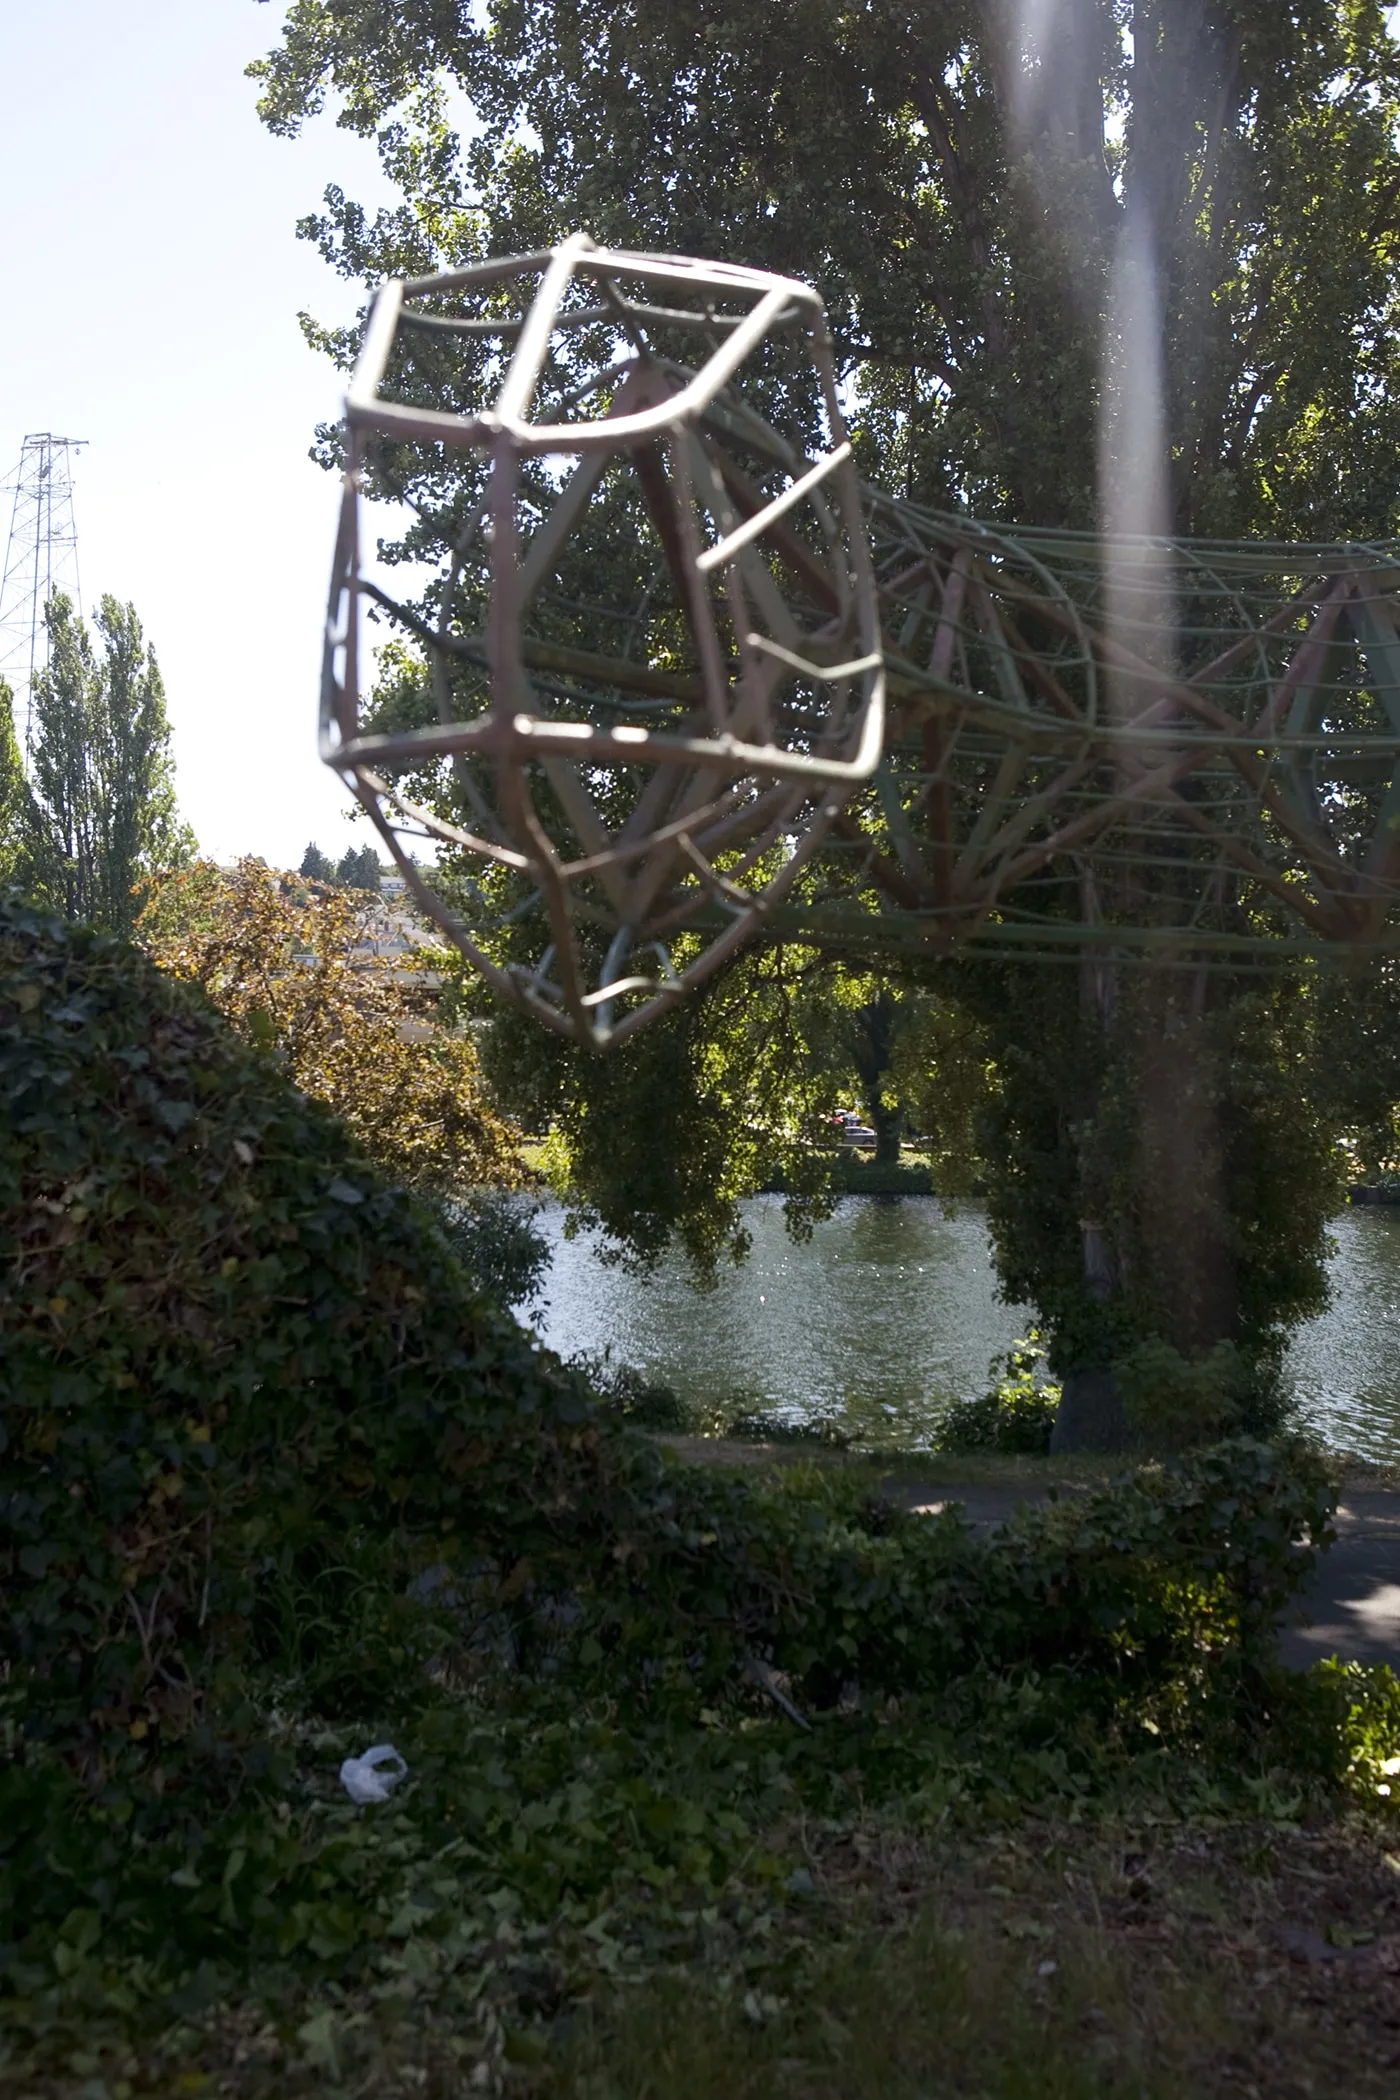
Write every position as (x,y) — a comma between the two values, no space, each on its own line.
(850,1130)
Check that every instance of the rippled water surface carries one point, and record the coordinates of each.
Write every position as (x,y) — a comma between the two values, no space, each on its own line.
(1346,1365)
(891,1310)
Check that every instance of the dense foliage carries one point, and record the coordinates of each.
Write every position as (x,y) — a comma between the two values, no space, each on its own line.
(495,1237)
(98,813)
(301,973)
(662,1138)
(14,792)
(225,1340)
(1016,216)
(273,1479)
(1015,1414)
(1076,1137)
(959,181)
(229,1347)
(357,869)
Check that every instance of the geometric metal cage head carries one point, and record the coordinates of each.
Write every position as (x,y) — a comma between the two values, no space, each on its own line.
(642,669)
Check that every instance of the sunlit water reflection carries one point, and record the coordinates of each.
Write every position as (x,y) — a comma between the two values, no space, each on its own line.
(1346,1365)
(891,1310)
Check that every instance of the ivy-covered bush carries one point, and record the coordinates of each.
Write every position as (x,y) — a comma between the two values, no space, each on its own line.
(1168,1398)
(229,1350)
(268,1463)
(238,1366)
(1126,1595)
(1015,1414)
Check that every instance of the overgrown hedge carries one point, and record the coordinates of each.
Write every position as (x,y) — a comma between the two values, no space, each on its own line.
(229,1349)
(249,1401)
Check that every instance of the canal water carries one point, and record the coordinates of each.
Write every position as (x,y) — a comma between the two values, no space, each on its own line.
(891,1310)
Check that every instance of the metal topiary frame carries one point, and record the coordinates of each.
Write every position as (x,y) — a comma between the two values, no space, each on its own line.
(732,810)
(1183,750)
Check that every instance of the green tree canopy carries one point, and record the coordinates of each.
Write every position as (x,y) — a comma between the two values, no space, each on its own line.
(16,807)
(359,869)
(960,195)
(102,776)
(317,866)
(1093,263)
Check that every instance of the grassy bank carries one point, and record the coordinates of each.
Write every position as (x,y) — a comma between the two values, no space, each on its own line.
(1011,1472)
(852,1173)
(855,1173)
(1063,1961)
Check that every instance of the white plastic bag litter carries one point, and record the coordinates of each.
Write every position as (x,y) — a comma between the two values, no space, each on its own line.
(374,1776)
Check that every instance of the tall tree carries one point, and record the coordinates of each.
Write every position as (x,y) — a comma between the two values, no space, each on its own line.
(359,869)
(16,806)
(974,187)
(317,866)
(102,775)
(854,1024)
(1122,263)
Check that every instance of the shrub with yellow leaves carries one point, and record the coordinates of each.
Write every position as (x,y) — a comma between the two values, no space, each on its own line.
(298,967)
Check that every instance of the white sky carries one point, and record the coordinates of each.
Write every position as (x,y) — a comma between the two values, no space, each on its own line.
(151,281)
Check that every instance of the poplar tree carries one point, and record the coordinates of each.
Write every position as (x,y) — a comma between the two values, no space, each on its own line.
(16,808)
(103,779)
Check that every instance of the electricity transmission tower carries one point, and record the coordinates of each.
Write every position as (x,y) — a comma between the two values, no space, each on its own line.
(41,558)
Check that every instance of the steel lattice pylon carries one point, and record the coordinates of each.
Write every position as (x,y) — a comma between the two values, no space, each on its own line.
(41,559)
(647,669)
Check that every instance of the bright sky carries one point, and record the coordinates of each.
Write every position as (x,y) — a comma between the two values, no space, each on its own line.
(152,278)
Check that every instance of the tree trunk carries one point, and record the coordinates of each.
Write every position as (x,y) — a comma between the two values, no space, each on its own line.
(1090,1416)
(886,1122)
(872,1054)
(1181,1237)
(1183,1208)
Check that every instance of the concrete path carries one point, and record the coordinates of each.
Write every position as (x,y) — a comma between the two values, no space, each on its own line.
(1351,1608)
